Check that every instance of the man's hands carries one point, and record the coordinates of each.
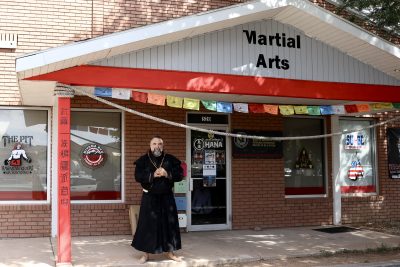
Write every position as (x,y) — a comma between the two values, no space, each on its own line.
(160,172)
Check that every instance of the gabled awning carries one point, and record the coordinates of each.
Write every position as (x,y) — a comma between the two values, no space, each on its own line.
(314,21)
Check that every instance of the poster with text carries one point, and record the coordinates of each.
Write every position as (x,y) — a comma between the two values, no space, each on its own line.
(393,148)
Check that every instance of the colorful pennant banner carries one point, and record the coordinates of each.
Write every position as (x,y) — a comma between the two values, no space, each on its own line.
(174,101)
(228,107)
(156,99)
(209,104)
(193,104)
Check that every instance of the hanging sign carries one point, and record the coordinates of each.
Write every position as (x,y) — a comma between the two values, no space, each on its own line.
(180,187)
(182,219)
(180,203)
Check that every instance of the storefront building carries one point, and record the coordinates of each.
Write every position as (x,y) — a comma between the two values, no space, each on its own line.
(279,69)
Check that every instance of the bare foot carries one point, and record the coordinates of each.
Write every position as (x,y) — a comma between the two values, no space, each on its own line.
(172,256)
(144,258)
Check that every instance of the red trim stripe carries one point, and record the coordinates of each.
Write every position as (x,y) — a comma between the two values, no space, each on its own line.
(304,190)
(96,195)
(40,195)
(184,81)
(358,189)
(22,195)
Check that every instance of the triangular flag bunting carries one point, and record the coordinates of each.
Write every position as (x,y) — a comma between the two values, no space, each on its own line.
(363,107)
(189,103)
(351,108)
(139,96)
(210,104)
(326,110)
(387,105)
(174,101)
(241,107)
(271,109)
(103,91)
(121,93)
(286,109)
(300,109)
(338,109)
(156,99)
(375,106)
(314,110)
(225,107)
(256,108)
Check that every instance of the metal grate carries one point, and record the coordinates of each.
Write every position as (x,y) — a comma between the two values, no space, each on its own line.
(8,40)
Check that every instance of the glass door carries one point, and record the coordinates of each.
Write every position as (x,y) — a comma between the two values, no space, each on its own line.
(209,179)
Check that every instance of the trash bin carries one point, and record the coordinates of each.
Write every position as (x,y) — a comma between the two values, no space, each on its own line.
(134,216)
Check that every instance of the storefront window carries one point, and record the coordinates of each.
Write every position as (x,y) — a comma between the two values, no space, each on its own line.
(24,142)
(95,155)
(304,159)
(357,162)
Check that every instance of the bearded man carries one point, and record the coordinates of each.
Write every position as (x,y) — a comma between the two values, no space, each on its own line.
(158,227)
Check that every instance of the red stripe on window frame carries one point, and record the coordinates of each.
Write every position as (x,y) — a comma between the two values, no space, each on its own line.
(304,190)
(96,195)
(22,195)
(358,189)
(40,195)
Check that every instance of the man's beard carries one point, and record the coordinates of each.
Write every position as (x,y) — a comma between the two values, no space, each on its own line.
(157,152)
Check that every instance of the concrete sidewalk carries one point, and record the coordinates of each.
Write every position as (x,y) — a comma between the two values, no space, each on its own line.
(199,248)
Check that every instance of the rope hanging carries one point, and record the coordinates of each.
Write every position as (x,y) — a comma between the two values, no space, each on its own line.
(235,135)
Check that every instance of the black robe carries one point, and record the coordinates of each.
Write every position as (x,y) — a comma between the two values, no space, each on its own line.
(158,227)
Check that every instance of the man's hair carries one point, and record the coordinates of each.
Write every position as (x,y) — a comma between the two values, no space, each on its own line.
(156,136)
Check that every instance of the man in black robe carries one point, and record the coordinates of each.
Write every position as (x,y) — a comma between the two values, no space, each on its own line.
(158,227)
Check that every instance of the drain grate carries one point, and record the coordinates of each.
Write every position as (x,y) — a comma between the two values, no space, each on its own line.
(336,229)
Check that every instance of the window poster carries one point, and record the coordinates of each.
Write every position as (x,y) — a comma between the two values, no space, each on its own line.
(208,155)
(357,158)
(393,148)
(24,143)
(355,140)
(209,175)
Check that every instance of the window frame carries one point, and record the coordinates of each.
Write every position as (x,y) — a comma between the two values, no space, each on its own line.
(48,160)
(374,159)
(325,162)
(117,201)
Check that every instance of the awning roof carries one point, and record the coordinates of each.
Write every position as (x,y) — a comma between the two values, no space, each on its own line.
(316,22)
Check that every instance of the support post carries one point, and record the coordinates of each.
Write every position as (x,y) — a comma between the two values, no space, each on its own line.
(64,185)
(336,185)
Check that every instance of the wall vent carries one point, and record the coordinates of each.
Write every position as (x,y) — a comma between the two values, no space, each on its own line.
(8,40)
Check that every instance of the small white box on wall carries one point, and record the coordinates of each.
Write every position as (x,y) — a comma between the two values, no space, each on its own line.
(182,220)
(8,40)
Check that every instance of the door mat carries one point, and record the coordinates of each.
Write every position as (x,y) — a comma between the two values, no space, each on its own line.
(336,229)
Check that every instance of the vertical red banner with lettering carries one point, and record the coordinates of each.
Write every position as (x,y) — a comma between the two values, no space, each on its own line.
(64,194)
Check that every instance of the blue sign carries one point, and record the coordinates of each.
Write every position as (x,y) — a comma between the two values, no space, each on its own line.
(180,203)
